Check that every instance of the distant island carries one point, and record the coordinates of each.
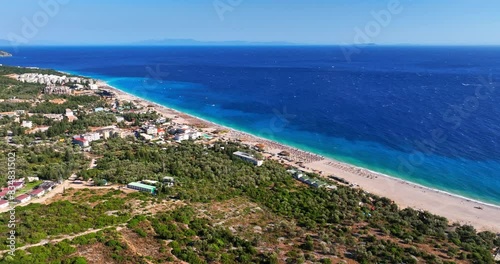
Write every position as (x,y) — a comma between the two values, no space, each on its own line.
(5,54)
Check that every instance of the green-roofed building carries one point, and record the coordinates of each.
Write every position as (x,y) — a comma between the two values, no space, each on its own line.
(142,187)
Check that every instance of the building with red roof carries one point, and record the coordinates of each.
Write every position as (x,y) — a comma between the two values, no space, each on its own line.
(4,193)
(4,203)
(18,184)
(22,198)
(81,142)
(37,193)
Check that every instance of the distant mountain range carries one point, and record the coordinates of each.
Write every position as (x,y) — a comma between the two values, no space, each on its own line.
(192,42)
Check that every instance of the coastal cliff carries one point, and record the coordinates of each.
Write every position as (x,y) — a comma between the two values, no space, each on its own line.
(5,54)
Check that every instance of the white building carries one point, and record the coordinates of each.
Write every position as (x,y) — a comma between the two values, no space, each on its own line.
(161,120)
(248,157)
(146,136)
(181,137)
(69,112)
(55,117)
(152,130)
(27,124)
(91,136)
(150,182)
(33,179)
(37,193)
(85,139)
(22,198)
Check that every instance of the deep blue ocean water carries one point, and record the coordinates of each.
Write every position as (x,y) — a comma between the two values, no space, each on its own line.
(430,115)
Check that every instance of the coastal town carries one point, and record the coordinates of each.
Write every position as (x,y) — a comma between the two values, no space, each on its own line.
(253,132)
(167,127)
(172,127)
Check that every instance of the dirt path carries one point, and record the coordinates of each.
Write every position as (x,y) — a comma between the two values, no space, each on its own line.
(46,241)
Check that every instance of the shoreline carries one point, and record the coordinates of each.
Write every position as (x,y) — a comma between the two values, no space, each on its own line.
(456,208)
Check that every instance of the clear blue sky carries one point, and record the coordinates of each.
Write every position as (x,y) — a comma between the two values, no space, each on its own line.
(312,21)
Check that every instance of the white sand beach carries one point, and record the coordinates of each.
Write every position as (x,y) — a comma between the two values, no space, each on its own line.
(457,209)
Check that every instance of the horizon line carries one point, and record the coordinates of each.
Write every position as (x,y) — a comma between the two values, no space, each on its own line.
(270,44)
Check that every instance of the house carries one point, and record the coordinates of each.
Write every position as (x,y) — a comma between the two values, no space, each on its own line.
(152,130)
(33,179)
(120,119)
(181,137)
(194,135)
(98,109)
(93,87)
(88,137)
(106,133)
(146,136)
(70,115)
(27,124)
(81,142)
(161,120)
(47,185)
(4,193)
(248,157)
(299,175)
(150,182)
(142,187)
(168,181)
(37,193)
(161,132)
(18,184)
(497,256)
(22,198)
(69,112)
(4,204)
(55,117)
(72,118)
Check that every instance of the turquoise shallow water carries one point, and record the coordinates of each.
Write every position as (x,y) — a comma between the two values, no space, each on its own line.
(379,112)
(359,150)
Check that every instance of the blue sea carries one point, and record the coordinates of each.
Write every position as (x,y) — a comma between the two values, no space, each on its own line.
(429,115)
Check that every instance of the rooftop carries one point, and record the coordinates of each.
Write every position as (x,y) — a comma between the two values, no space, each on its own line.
(243,154)
(142,185)
(37,191)
(22,196)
